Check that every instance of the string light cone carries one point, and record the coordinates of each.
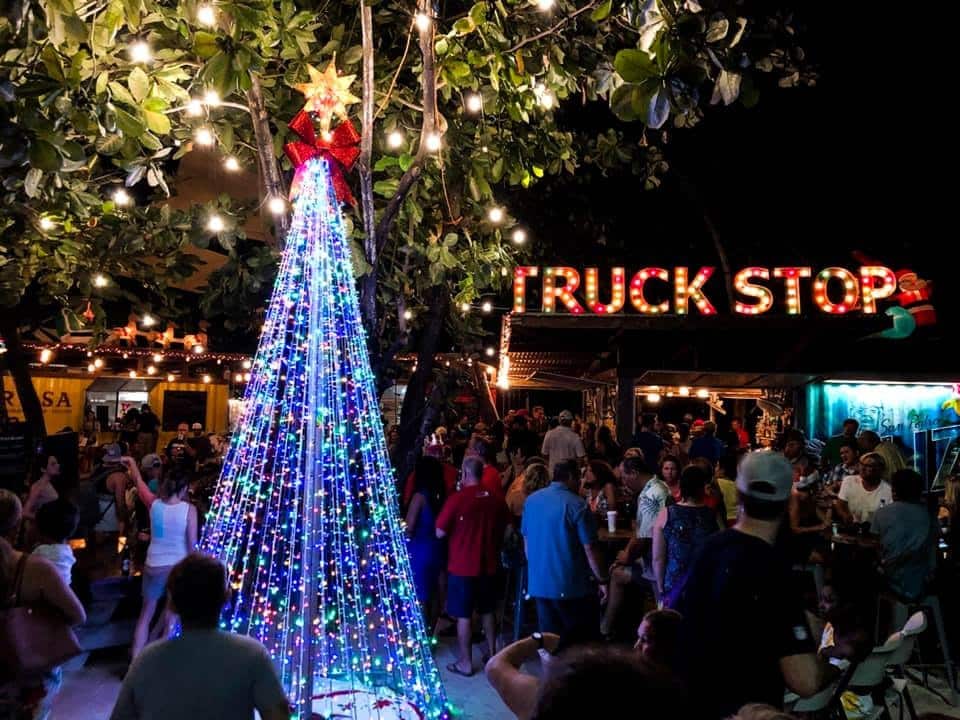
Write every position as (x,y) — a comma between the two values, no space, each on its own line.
(305,513)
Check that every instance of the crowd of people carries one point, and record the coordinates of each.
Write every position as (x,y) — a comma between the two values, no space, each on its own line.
(688,538)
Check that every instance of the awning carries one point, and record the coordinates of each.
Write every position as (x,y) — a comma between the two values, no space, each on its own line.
(113,385)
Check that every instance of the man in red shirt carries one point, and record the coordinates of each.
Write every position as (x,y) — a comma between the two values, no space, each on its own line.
(475,520)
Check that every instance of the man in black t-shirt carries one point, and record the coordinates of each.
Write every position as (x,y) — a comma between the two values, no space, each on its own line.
(744,630)
(149,424)
(200,444)
(178,450)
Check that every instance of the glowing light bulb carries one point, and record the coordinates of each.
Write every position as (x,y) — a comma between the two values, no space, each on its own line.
(211,98)
(171,377)
(487,306)
(46,223)
(100,280)
(474,103)
(394,139)
(151,370)
(206,15)
(231,164)
(121,198)
(653,397)
(277,205)
(45,356)
(547,100)
(423,22)
(198,349)
(140,52)
(544,5)
(519,236)
(133,374)
(407,315)
(91,368)
(433,141)
(215,224)
(703,393)
(684,392)
(495,214)
(98,363)
(490,352)
(204,136)
(157,358)
(247,364)
(194,108)
(207,379)
(465,307)
(148,320)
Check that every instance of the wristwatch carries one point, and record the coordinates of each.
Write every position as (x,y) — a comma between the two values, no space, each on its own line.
(537,637)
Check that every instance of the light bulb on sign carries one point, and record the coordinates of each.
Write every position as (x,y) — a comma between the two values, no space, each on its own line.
(394,139)
(474,103)
(148,320)
(495,214)
(194,108)
(121,198)
(231,164)
(204,136)
(140,52)
(46,224)
(211,98)
(100,280)
(215,224)
(433,141)
(423,22)
(277,205)
(519,236)
(206,15)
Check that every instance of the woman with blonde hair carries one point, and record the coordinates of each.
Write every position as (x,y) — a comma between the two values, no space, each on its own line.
(535,477)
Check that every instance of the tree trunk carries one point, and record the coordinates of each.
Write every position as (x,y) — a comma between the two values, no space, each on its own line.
(269,167)
(368,286)
(416,414)
(19,366)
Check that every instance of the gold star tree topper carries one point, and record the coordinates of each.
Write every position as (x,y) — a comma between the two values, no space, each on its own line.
(327,94)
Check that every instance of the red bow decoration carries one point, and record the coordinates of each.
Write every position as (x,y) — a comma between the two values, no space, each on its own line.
(342,147)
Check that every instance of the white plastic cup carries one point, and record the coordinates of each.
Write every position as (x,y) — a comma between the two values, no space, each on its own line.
(612,520)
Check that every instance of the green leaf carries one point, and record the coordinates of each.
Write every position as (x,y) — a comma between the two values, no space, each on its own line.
(150,142)
(155,104)
(464,26)
(31,183)
(44,156)
(216,73)
(139,84)
(623,103)
(76,28)
(130,125)
(405,161)
(496,173)
(385,162)
(634,65)
(718,29)
(442,47)
(73,151)
(205,44)
(458,68)
(602,11)
(386,188)
(450,239)
(121,94)
(132,9)
(157,122)
(478,13)
(102,80)
(352,56)
(109,144)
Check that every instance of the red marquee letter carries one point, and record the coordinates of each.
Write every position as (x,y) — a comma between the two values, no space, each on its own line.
(752,290)
(693,291)
(637,297)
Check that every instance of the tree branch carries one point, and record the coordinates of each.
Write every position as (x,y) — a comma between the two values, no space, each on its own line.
(393,81)
(554,28)
(369,285)
(428,82)
(269,168)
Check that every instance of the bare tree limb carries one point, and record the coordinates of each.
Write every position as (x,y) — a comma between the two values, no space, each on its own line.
(269,167)
(554,28)
(393,81)
(369,285)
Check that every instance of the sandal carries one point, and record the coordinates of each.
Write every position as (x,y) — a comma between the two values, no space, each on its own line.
(452,667)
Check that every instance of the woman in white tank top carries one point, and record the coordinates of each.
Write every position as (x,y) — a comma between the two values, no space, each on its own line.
(173,534)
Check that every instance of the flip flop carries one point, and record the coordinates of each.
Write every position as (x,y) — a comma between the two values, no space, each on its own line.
(452,667)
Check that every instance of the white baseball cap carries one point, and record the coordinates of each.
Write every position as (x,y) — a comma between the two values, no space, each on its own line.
(765,475)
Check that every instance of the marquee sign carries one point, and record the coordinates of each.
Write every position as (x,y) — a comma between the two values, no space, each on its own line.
(658,291)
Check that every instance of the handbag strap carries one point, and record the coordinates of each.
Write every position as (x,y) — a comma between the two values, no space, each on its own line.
(18,580)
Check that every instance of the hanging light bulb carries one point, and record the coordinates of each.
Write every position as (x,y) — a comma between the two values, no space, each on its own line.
(204,136)
(140,52)
(171,377)
(157,358)
(46,355)
(547,99)
(487,306)
(423,22)
(545,5)
(46,224)
(231,164)
(519,236)
(653,397)
(98,363)
(684,392)
(474,103)
(148,320)
(490,352)
(198,349)
(495,214)
(194,108)
(121,198)
(247,364)
(100,280)
(394,139)
(207,379)
(465,307)
(215,224)
(407,315)
(133,374)
(433,141)
(277,205)
(91,368)
(151,369)
(211,98)
(703,393)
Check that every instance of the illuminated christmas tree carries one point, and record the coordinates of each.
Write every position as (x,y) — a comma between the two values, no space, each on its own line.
(305,515)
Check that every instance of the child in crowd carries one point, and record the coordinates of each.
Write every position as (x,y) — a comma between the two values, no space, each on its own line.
(56,522)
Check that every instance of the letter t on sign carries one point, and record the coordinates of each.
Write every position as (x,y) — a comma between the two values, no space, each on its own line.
(520,276)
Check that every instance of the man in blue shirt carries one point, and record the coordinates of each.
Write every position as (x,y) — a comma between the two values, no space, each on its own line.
(560,537)
(707,445)
(648,441)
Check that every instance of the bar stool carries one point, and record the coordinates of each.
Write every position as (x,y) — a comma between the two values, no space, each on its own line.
(901,610)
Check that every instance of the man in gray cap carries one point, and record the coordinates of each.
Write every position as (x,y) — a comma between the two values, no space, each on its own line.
(562,444)
(744,633)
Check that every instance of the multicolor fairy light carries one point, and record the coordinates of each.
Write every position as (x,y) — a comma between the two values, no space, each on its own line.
(305,514)
(821,290)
